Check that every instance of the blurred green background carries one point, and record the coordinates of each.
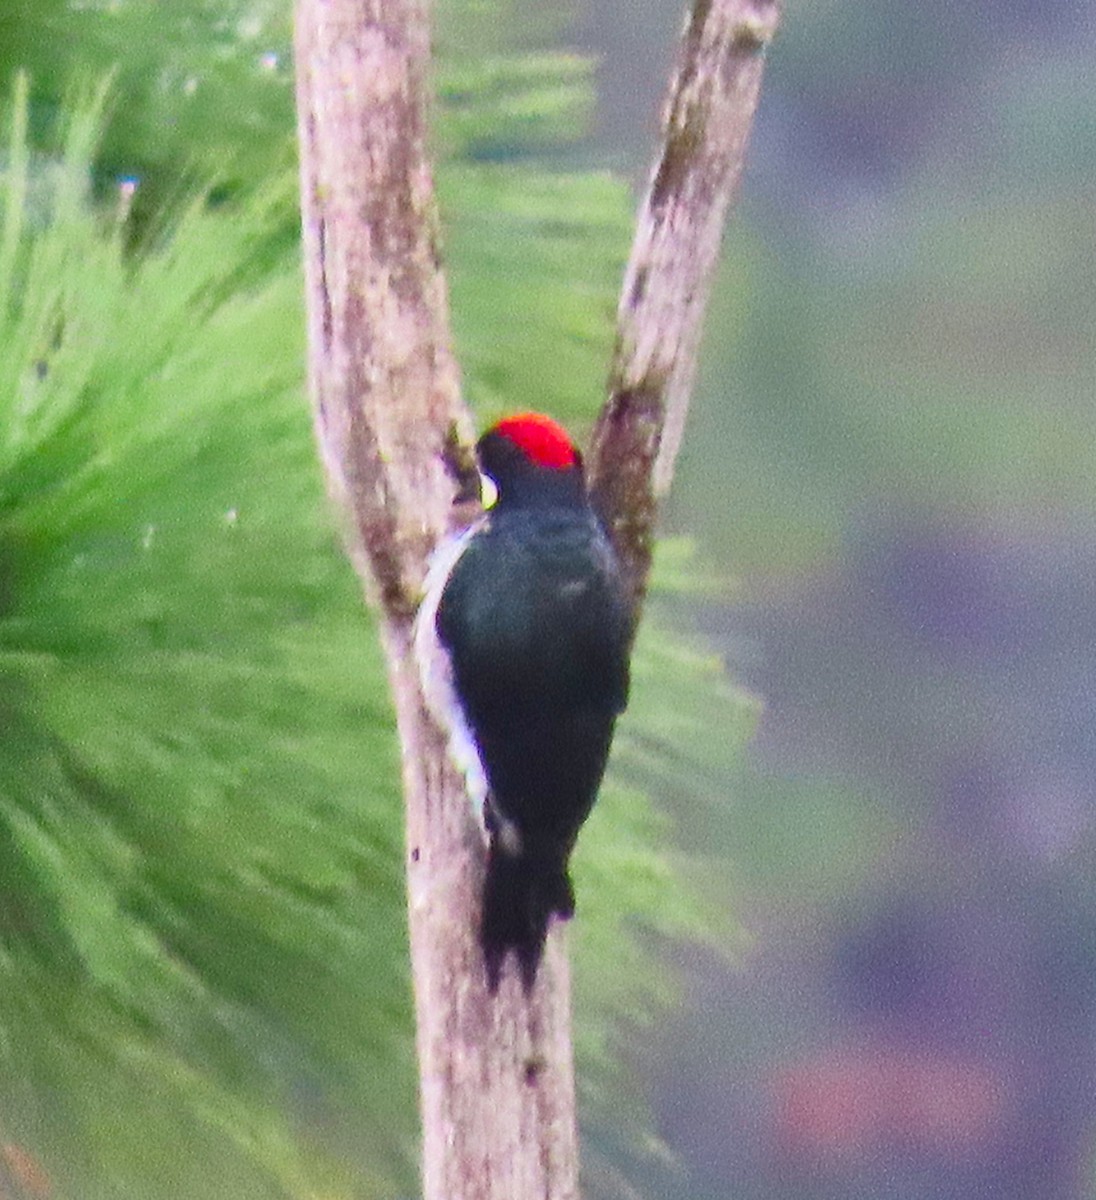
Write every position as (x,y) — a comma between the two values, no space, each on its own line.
(882,526)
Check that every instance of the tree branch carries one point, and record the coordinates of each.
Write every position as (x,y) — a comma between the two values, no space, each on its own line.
(383,381)
(497,1088)
(706,125)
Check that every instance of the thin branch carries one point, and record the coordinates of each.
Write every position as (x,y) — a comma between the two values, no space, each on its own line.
(706,125)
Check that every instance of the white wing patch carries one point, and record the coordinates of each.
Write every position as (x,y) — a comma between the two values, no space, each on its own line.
(436,671)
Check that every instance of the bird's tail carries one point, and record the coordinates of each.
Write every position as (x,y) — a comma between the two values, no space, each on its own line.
(521,893)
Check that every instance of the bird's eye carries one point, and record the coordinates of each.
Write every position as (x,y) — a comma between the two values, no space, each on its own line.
(488,492)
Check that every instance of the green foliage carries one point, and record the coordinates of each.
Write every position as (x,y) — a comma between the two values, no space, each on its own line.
(202,943)
(678,742)
(204,88)
(198,780)
(504,108)
(535,257)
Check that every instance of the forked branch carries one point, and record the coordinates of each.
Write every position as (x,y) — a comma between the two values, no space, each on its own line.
(497,1092)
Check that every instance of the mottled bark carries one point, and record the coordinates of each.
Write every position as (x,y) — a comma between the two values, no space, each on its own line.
(497,1089)
(706,124)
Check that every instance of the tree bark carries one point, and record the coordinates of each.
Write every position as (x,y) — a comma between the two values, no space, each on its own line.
(497,1087)
(706,124)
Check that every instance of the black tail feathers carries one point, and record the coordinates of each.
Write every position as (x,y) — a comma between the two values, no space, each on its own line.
(521,893)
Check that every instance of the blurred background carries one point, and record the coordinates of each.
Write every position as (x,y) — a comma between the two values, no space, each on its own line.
(851,957)
(891,456)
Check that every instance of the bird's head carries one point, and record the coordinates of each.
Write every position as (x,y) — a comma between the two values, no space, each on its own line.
(531,460)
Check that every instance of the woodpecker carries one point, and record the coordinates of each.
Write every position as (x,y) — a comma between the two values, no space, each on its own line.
(522,640)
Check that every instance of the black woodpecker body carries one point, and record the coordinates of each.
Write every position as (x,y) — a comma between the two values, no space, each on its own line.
(530,614)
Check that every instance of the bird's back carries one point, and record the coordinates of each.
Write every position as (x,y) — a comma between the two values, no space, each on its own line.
(538,629)
(535,618)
